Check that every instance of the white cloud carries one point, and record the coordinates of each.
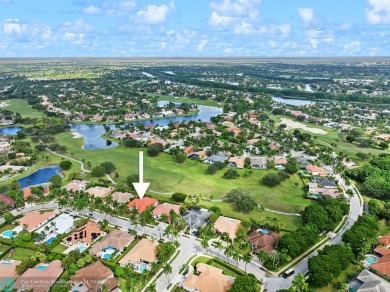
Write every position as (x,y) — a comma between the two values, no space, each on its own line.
(75,38)
(306,14)
(154,14)
(314,43)
(244,28)
(220,20)
(14,26)
(352,47)
(78,26)
(285,29)
(379,12)
(92,10)
(344,26)
(235,8)
(202,44)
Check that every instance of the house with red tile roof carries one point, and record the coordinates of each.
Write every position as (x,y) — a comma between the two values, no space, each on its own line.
(382,266)
(235,130)
(385,239)
(8,273)
(316,170)
(93,277)
(228,225)
(381,251)
(40,278)
(263,240)
(35,219)
(237,161)
(8,201)
(27,193)
(165,209)
(142,204)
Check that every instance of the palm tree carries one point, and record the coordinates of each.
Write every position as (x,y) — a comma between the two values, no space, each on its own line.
(218,245)
(204,243)
(299,283)
(229,251)
(168,230)
(236,256)
(274,256)
(167,269)
(152,288)
(247,258)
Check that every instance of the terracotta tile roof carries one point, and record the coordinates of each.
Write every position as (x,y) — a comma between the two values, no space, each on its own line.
(224,224)
(142,204)
(316,169)
(40,280)
(35,219)
(27,193)
(165,209)
(385,239)
(382,250)
(8,269)
(382,265)
(86,233)
(6,200)
(210,279)
(262,241)
(280,161)
(116,238)
(76,185)
(99,192)
(94,276)
(144,250)
(238,161)
(121,197)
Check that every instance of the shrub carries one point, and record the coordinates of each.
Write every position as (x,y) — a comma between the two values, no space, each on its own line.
(178,197)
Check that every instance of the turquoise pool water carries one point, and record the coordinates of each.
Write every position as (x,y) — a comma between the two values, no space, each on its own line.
(41,268)
(50,240)
(371,260)
(82,248)
(265,231)
(108,251)
(9,233)
(143,267)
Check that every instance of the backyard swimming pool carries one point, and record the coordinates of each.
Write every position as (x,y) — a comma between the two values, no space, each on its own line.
(108,251)
(265,231)
(9,234)
(50,240)
(371,259)
(143,267)
(81,248)
(41,268)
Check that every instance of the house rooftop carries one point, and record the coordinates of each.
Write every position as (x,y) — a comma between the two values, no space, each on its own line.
(121,197)
(99,192)
(263,241)
(35,219)
(7,272)
(228,225)
(86,233)
(382,266)
(142,204)
(372,282)
(165,209)
(196,217)
(40,280)
(210,279)
(144,250)
(116,238)
(76,185)
(385,239)
(7,200)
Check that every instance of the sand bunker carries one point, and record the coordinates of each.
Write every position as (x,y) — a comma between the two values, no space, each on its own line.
(296,125)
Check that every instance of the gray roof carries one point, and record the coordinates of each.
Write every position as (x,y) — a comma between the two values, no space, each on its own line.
(196,217)
(262,161)
(218,158)
(325,182)
(372,282)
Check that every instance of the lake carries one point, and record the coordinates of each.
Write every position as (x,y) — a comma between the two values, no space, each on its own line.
(12,130)
(292,101)
(92,133)
(41,176)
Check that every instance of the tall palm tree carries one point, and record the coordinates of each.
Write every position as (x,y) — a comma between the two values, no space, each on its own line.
(167,269)
(236,256)
(299,283)
(229,251)
(274,256)
(247,258)
(204,243)
(218,245)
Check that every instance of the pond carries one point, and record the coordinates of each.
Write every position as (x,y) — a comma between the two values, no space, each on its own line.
(41,176)
(292,101)
(92,133)
(12,130)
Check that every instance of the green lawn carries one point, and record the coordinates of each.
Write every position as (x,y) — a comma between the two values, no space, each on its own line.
(22,107)
(205,260)
(59,248)
(200,259)
(166,176)
(7,227)
(3,248)
(21,254)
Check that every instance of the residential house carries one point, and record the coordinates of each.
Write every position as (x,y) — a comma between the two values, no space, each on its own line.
(97,118)
(142,204)
(258,162)
(99,192)
(144,251)
(35,219)
(117,239)
(7,200)
(40,278)
(84,234)
(280,162)
(196,218)
(166,208)
(385,240)
(237,161)
(27,193)
(273,147)
(382,266)
(93,277)
(76,185)
(381,251)
(369,282)
(316,170)
(5,145)
(188,150)
(315,189)
(263,239)
(235,131)
(228,225)
(325,182)
(217,158)
(8,273)
(129,117)
(122,197)
(302,162)
(208,279)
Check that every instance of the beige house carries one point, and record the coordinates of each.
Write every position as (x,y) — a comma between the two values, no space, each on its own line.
(143,251)
(35,219)
(117,239)
(121,197)
(99,192)
(228,225)
(210,279)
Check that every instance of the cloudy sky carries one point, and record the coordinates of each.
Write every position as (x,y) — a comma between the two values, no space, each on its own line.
(194,28)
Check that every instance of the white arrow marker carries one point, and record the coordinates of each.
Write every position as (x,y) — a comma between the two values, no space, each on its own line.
(141,187)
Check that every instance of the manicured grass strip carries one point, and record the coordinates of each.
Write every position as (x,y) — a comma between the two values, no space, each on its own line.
(22,107)
(21,254)
(59,248)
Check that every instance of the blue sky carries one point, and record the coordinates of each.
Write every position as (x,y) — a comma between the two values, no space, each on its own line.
(194,28)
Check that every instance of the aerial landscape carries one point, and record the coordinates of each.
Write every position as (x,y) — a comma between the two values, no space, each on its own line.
(135,162)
